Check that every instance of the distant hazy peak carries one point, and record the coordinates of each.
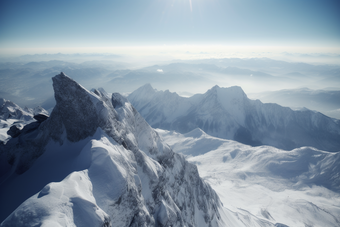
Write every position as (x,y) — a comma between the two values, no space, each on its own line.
(215,87)
(144,92)
(146,87)
(232,88)
(147,92)
(225,94)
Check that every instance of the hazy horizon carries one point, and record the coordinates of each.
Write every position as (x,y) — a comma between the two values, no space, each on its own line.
(177,29)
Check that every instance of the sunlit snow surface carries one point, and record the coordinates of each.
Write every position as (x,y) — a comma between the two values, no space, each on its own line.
(105,167)
(296,188)
(76,200)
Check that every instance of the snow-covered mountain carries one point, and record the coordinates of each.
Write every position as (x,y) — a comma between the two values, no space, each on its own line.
(228,113)
(96,162)
(13,115)
(300,187)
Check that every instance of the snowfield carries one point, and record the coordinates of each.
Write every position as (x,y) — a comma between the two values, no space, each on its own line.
(300,187)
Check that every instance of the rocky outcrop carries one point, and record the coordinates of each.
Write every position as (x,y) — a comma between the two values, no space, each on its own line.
(14,131)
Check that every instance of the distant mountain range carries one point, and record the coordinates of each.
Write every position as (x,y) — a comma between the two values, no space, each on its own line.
(228,113)
(27,83)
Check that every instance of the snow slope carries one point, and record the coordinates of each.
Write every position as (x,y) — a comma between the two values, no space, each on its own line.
(95,161)
(228,113)
(300,187)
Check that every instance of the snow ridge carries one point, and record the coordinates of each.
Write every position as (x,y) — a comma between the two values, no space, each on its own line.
(228,113)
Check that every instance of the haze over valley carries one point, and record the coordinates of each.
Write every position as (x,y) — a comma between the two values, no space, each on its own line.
(312,86)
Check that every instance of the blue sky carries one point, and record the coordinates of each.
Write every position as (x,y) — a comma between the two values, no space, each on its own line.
(84,24)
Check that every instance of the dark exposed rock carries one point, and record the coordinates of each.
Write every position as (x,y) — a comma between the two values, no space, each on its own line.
(74,107)
(40,117)
(13,131)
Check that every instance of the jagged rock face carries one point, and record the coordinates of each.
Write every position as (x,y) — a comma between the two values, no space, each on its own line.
(228,113)
(121,171)
(71,109)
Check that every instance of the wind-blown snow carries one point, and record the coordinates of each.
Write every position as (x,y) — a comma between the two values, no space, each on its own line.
(300,187)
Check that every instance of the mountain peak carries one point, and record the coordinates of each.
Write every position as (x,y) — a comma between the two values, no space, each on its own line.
(226,93)
(103,141)
(71,101)
(147,87)
(215,87)
(231,89)
(145,90)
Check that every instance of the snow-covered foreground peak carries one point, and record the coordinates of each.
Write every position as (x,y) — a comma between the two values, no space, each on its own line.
(95,161)
(297,188)
(228,113)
